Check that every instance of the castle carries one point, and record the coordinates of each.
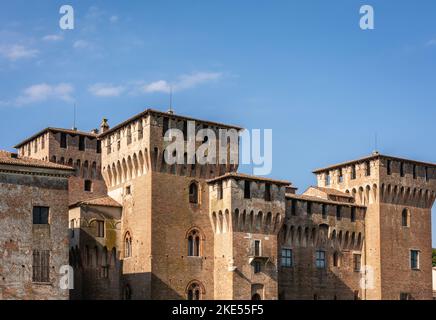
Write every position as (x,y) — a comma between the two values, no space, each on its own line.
(135,227)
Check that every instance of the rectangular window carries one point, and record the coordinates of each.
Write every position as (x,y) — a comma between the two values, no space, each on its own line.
(340,177)
(220,190)
(267,192)
(309,208)
(286,258)
(414,171)
(353,214)
(357,262)
(257,267)
(294,207)
(128,190)
(401,169)
(98,146)
(63,140)
(257,252)
(353,172)
(414,259)
(88,186)
(81,143)
(404,296)
(165,126)
(41,266)
(389,167)
(338,213)
(320,259)
(247,191)
(426,174)
(100,229)
(40,215)
(367,168)
(327,179)
(324,211)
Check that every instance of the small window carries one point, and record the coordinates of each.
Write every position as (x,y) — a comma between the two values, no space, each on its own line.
(414,171)
(127,245)
(327,179)
(98,146)
(165,126)
(356,295)
(336,259)
(340,176)
(81,143)
(128,190)
(40,215)
(414,259)
(88,185)
(402,169)
(320,259)
(63,140)
(338,213)
(194,292)
(194,244)
(72,228)
(294,207)
(353,172)
(405,218)
(257,267)
(100,229)
(257,251)
(41,266)
(247,191)
(353,214)
(309,208)
(220,190)
(267,192)
(324,209)
(357,262)
(389,167)
(286,258)
(193,192)
(426,174)
(367,168)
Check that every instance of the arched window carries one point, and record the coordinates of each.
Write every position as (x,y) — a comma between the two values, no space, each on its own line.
(194,243)
(127,245)
(336,259)
(127,294)
(193,192)
(405,218)
(194,291)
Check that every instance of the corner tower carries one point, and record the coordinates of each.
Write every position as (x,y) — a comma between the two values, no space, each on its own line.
(399,194)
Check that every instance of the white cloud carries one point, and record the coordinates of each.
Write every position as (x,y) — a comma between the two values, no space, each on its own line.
(15,52)
(80,44)
(106,90)
(186,81)
(53,37)
(431,42)
(113,19)
(43,91)
(157,86)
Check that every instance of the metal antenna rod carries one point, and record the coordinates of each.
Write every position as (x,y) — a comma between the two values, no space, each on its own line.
(74,119)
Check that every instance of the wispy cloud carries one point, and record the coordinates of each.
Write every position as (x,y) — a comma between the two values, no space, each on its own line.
(53,37)
(81,44)
(106,90)
(16,52)
(183,82)
(113,19)
(43,91)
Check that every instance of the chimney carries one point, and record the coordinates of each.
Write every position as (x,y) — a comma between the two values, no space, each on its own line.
(104,126)
(94,131)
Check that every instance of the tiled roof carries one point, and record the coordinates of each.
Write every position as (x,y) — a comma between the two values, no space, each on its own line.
(333,192)
(102,201)
(13,159)
(68,131)
(320,200)
(375,155)
(166,114)
(240,176)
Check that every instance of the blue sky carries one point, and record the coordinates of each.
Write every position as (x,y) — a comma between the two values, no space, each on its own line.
(304,69)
